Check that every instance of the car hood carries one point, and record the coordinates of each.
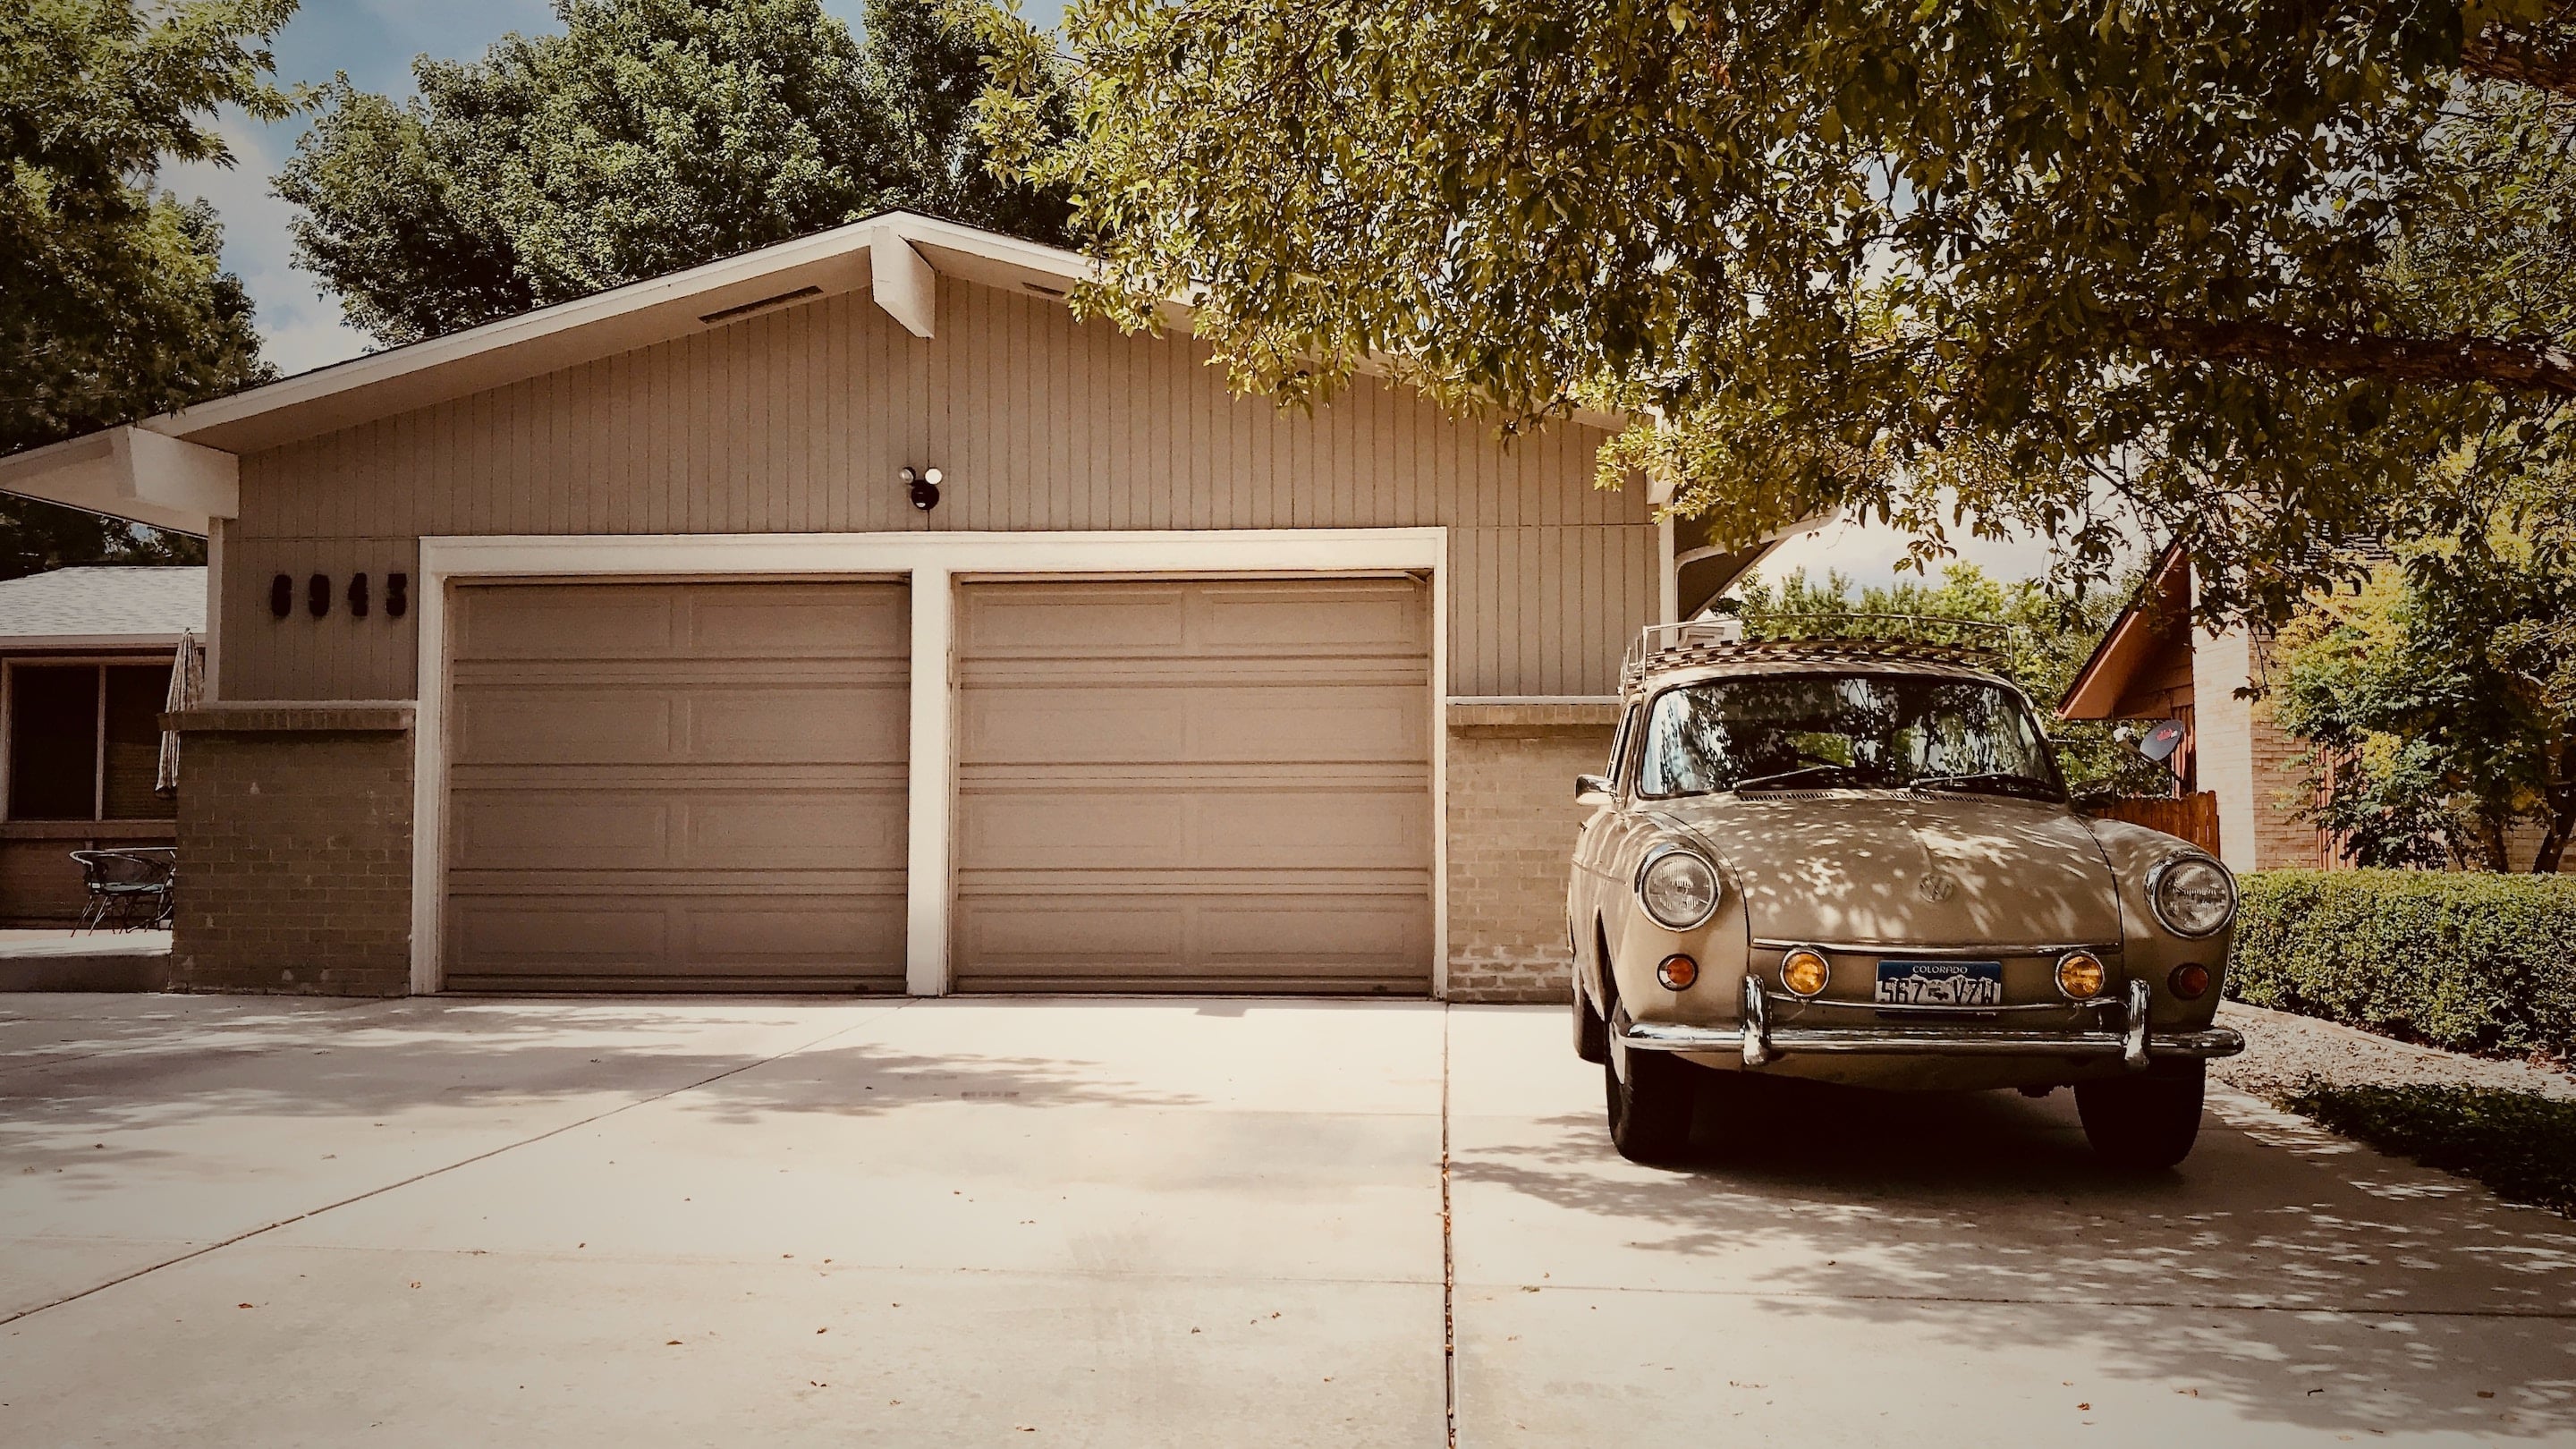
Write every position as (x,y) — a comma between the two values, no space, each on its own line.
(1884,868)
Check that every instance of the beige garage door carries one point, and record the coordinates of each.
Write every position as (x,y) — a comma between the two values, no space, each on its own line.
(1194,786)
(677,786)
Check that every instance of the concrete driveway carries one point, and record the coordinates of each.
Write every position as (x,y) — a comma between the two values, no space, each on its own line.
(229,1221)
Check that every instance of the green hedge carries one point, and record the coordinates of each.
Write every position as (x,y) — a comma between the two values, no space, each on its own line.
(2470,962)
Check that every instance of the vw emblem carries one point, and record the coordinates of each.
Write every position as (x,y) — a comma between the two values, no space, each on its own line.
(1936,887)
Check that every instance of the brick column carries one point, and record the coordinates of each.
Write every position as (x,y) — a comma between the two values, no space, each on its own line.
(294,849)
(1512,819)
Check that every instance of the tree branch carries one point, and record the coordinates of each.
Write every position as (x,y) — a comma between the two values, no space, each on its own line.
(2523,55)
(2514,366)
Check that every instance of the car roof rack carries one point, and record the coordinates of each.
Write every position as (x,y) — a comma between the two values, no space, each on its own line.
(1695,642)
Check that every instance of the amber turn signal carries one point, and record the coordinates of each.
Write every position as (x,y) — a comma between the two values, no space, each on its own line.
(2188,981)
(1805,971)
(1677,972)
(2080,975)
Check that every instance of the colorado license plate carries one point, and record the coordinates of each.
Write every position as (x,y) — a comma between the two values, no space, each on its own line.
(1941,983)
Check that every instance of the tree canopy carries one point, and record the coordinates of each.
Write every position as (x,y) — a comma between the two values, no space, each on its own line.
(649,136)
(113,299)
(2234,271)
(2434,699)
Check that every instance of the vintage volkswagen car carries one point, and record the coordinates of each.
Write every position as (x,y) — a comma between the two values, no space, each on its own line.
(1856,862)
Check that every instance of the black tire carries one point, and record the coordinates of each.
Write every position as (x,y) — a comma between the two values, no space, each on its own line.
(1650,1109)
(1591,1033)
(2144,1123)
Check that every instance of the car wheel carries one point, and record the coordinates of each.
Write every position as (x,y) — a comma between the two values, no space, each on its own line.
(2146,1122)
(1591,1033)
(1650,1107)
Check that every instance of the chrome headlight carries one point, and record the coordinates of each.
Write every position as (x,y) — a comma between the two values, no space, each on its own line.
(1678,887)
(2192,894)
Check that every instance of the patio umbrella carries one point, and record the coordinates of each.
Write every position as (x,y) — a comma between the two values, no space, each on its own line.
(187,684)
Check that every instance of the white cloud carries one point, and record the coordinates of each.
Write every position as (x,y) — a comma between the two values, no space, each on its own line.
(299,325)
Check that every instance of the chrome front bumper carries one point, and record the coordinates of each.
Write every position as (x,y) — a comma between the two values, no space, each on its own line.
(1757,1041)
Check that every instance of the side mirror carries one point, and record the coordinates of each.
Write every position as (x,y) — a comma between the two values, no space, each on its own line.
(1591,790)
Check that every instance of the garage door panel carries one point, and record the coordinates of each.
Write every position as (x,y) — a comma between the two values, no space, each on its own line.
(556,829)
(1056,621)
(717,622)
(1078,829)
(678,786)
(1108,721)
(1147,940)
(1314,619)
(815,621)
(687,943)
(536,725)
(674,724)
(1194,785)
(594,622)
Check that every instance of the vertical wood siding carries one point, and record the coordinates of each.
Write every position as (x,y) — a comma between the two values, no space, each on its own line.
(797,420)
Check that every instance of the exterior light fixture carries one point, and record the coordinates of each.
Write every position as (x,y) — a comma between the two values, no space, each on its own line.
(924,487)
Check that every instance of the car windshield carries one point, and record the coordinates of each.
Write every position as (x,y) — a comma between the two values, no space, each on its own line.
(1867,731)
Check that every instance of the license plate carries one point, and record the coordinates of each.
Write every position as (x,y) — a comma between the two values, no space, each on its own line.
(1940,983)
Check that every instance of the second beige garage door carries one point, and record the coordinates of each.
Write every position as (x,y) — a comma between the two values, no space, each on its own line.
(1194,786)
(677,787)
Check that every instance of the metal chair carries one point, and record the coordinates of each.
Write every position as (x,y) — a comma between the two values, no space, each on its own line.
(129,889)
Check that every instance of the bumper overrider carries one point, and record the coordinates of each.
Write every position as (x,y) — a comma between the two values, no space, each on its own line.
(1943,1034)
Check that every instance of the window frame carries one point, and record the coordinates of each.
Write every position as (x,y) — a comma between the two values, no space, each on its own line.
(99,664)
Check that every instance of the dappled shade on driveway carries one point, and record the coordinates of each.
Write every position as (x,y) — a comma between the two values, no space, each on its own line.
(1126,1223)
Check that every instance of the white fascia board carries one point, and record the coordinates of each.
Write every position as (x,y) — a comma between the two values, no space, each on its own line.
(129,473)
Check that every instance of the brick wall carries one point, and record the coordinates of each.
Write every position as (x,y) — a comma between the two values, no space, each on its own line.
(295,830)
(1512,819)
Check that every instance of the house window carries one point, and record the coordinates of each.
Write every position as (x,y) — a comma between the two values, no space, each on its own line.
(85,741)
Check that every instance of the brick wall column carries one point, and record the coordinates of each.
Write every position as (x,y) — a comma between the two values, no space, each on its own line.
(295,849)
(1512,819)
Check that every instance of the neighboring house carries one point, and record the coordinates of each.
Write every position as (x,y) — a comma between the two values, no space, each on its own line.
(85,660)
(623,646)
(2153,665)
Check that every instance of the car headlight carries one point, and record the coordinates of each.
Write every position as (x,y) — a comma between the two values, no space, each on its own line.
(2193,895)
(1678,887)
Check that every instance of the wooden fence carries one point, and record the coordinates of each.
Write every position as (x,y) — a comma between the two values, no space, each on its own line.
(2193,817)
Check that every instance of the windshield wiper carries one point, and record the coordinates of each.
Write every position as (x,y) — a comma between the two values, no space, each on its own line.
(2010,782)
(1783,777)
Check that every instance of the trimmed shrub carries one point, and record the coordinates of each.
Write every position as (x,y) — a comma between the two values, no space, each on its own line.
(2465,961)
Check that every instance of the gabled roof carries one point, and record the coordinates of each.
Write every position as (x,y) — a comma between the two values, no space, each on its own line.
(2158,616)
(180,470)
(104,607)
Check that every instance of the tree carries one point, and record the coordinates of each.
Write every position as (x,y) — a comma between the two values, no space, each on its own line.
(651,135)
(1954,264)
(2430,695)
(113,300)
(2044,642)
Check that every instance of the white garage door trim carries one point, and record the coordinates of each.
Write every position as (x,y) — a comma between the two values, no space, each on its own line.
(930,562)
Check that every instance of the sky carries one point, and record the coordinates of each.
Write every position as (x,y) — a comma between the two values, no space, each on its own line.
(374,42)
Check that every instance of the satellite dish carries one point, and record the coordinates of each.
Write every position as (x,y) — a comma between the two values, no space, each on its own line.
(2161,740)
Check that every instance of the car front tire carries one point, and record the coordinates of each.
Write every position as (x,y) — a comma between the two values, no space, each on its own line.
(2147,1122)
(1650,1107)
(1591,1033)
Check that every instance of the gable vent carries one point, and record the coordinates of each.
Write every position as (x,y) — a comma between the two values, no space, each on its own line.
(764,304)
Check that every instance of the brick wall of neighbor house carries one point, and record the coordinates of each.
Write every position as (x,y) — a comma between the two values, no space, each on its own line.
(295,826)
(1512,819)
